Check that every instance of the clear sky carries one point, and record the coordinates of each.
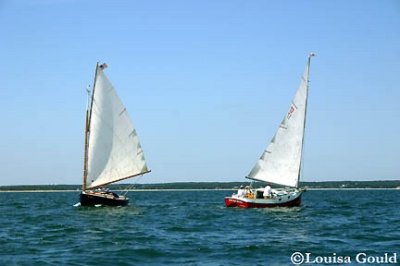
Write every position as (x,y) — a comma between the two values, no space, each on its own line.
(206,84)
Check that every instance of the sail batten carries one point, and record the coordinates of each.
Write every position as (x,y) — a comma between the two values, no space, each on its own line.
(280,162)
(114,150)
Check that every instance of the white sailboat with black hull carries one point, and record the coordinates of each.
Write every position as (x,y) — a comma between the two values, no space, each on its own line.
(112,150)
(281,162)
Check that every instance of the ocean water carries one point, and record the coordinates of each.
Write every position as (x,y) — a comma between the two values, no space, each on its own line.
(194,228)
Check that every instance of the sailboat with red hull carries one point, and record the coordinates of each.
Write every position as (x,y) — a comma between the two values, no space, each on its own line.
(281,161)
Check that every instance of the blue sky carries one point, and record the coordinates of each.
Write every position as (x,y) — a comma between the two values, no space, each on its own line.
(206,84)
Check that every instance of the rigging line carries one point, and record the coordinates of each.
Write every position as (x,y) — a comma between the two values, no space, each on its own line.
(132,186)
(127,189)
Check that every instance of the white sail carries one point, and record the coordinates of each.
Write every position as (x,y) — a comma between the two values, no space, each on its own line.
(280,163)
(114,151)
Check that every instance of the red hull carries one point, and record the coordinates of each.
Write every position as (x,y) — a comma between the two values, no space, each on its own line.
(234,202)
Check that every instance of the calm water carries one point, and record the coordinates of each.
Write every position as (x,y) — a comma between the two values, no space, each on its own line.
(194,228)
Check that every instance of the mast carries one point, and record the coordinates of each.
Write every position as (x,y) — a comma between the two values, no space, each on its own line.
(86,143)
(305,117)
(87,129)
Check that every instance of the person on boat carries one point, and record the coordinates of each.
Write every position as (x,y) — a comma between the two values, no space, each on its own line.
(267,192)
(102,189)
(240,192)
(249,193)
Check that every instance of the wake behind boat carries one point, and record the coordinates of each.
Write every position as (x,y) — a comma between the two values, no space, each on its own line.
(281,162)
(112,150)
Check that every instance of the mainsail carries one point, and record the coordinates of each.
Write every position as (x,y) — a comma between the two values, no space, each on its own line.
(113,150)
(280,163)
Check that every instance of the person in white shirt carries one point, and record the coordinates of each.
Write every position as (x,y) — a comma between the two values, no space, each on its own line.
(240,192)
(267,191)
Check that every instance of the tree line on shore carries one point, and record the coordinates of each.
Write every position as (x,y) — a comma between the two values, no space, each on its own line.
(212,185)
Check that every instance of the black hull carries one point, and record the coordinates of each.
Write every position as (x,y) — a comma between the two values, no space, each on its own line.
(102,198)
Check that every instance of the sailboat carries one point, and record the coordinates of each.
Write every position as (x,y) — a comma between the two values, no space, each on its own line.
(112,150)
(281,162)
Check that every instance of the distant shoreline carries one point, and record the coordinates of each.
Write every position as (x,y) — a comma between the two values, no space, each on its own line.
(185,189)
(194,186)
